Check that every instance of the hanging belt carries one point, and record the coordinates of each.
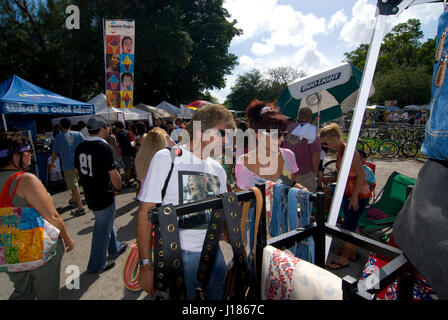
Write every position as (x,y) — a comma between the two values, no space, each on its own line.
(168,264)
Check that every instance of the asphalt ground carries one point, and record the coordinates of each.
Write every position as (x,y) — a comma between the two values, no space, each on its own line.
(109,285)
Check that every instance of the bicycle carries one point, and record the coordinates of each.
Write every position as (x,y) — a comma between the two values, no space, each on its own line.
(410,148)
(386,148)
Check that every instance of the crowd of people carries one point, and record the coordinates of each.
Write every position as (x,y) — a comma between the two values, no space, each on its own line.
(107,158)
(410,117)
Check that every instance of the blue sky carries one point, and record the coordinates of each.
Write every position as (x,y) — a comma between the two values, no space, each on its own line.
(307,34)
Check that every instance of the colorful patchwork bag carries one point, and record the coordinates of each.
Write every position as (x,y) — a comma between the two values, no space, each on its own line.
(27,241)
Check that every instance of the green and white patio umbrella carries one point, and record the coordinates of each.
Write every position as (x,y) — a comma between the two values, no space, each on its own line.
(329,93)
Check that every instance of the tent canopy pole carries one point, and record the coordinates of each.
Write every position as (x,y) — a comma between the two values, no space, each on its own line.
(384,9)
(4,122)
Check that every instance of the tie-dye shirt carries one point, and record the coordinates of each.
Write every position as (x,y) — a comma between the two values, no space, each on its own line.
(245,178)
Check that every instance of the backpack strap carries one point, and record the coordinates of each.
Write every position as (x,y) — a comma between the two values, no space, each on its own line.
(175,152)
(5,198)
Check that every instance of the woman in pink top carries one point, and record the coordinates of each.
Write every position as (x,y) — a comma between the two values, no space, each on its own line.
(267,160)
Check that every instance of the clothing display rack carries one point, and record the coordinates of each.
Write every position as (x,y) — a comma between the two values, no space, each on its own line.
(352,288)
(211,204)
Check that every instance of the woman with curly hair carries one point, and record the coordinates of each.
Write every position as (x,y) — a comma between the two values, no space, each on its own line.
(267,160)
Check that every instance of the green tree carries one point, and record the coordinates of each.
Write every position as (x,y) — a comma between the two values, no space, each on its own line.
(254,85)
(248,86)
(279,78)
(405,65)
(181,46)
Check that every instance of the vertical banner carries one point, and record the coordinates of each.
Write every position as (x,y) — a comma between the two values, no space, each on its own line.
(119,36)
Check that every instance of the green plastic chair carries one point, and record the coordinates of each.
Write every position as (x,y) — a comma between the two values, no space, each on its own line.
(393,197)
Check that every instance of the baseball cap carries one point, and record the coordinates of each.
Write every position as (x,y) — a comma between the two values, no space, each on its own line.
(96,122)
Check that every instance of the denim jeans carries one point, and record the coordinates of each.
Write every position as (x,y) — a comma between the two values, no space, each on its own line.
(284,216)
(215,288)
(305,248)
(280,221)
(435,145)
(104,239)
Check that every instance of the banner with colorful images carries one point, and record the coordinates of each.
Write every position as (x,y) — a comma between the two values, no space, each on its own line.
(119,36)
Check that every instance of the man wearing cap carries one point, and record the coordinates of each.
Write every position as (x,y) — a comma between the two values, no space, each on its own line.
(100,178)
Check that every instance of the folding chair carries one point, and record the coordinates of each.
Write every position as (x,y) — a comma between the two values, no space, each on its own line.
(391,199)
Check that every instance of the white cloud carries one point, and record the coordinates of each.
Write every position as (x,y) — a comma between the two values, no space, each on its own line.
(262,49)
(426,13)
(360,28)
(252,16)
(362,23)
(246,63)
(311,60)
(339,18)
(279,25)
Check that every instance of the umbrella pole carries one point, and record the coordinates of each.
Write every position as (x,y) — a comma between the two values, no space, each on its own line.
(318,110)
(361,103)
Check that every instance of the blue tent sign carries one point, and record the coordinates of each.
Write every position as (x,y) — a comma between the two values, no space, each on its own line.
(42,109)
(18,96)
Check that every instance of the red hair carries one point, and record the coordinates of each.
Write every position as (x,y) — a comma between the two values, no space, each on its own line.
(261,115)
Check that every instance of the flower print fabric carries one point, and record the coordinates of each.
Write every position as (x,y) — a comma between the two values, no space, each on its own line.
(285,277)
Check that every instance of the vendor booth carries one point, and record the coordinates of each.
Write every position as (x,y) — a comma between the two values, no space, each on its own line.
(168,107)
(108,113)
(23,103)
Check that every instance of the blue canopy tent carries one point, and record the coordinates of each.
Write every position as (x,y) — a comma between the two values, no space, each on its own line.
(18,96)
(21,101)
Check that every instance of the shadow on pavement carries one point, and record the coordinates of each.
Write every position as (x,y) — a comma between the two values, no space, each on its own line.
(127,232)
(134,295)
(85,281)
(125,209)
(86,230)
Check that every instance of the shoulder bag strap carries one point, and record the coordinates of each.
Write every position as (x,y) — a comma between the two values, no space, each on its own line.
(5,198)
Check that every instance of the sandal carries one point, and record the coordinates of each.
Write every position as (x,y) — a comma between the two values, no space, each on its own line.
(339,252)
(341,266)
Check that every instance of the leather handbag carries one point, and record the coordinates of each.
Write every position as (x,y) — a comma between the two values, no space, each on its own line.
(27,241)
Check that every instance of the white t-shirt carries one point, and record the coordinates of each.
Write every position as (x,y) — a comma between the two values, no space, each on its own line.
(306,131)
(191,179)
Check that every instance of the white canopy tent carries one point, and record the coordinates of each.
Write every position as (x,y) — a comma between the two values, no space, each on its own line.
(168,107)
(108,113)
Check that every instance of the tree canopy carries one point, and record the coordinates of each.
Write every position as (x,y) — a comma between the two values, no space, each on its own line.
(254,85)
(405,65)
(181,46)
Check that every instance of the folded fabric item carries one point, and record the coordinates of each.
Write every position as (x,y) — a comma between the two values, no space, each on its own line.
(285,277)
(421,291)
(305,131)
(376,214)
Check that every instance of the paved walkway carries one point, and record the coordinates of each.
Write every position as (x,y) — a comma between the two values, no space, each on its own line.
(108,285)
